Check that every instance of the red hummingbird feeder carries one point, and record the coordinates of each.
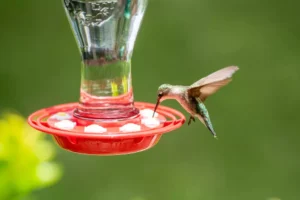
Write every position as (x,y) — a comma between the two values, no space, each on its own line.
(106,120)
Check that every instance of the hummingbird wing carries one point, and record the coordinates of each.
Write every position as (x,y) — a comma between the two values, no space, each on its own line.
(211,83)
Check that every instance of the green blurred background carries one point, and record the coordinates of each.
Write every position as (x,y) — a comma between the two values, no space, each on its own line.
(255,116)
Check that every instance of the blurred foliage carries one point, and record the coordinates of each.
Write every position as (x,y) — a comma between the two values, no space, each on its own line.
(26,159)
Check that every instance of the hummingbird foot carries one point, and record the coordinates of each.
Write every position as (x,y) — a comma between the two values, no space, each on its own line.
(190,119)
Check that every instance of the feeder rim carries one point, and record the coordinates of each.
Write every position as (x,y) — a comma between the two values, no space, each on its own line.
(174,124)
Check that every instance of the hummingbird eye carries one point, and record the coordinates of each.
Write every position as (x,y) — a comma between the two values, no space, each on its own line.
(160,94)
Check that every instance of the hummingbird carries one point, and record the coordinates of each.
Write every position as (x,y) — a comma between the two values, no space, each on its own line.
(192,97)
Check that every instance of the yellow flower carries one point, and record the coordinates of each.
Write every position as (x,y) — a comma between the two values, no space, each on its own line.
(25,158)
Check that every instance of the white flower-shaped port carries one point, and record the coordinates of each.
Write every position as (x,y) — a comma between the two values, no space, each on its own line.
(147,113)
(94,128)
(130,128)
(65,125)
(151,122)
(61,116)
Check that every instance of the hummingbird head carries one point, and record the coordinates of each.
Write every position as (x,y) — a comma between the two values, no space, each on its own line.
(163,92)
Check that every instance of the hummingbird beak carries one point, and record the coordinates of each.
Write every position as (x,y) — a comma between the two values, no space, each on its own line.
(157,103)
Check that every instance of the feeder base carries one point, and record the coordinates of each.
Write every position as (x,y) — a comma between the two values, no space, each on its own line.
(109,137)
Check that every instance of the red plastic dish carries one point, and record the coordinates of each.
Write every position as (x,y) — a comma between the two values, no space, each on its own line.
(112,142)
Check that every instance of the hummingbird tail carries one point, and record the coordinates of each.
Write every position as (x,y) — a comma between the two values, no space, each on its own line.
(212,131)
(206,121)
